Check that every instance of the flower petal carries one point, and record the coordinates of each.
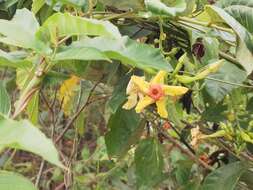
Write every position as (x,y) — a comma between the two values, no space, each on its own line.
(144,102)
(159,78)
(142,85)
(131,101)
(174,90)
(161,108)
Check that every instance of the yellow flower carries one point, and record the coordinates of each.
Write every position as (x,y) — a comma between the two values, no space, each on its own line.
(151,92)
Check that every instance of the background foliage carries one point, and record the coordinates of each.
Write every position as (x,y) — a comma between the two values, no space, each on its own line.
(65,66)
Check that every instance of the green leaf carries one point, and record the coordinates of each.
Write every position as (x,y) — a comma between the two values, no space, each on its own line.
(33,109)
(23,135)
(149,163)
(119,94)
(125,128)
(20,31)
(83,53)
(13,181)
(224,178)
(60,25)
(249,107)
(128,51)
(124,5)
(5,102)
(241,10)
(37,5)
(191,185)
(179,7)
(226,74)
(75,3)
(13,59)
(245,45)
(183,171)
(214,113)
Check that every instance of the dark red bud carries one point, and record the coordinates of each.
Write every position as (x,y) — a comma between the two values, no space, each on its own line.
(198,49)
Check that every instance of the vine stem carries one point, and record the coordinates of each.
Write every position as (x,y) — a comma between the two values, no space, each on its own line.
(186,151)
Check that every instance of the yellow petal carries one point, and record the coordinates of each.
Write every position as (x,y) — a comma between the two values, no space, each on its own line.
(159,78)
(161,108)
(132,87)
(144,102)
(174,90)
(142,85)
(131,101)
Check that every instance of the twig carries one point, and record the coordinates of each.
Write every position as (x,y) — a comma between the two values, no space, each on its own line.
(40,173)
(72,120)
(186,151)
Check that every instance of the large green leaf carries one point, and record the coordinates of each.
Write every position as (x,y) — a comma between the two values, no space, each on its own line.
(20,31)
(245,45)
(149,163)
(5,102)
(13,59)
(241,10)
(13,181)
(124,129)
(82,53)
(128,51)
(60,25)
(23,135)
(178,7)
(224,178)
(224,80)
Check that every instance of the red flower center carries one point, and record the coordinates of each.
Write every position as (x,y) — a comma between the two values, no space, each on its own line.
(156,91)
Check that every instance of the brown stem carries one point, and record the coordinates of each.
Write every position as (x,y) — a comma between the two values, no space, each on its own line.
(186,151)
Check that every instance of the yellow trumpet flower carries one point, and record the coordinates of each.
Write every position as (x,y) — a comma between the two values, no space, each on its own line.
(151,92)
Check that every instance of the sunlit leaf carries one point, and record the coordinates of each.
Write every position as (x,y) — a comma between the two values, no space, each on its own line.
(14,60)
(60,25)
(245,45)
(241,10)
(128,51)
(37,5)
(20,31)
(24,136)
(13,181)
(178,7)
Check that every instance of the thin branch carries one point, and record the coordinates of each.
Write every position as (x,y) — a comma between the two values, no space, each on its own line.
(186,151)
(72,120)
(40,173)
